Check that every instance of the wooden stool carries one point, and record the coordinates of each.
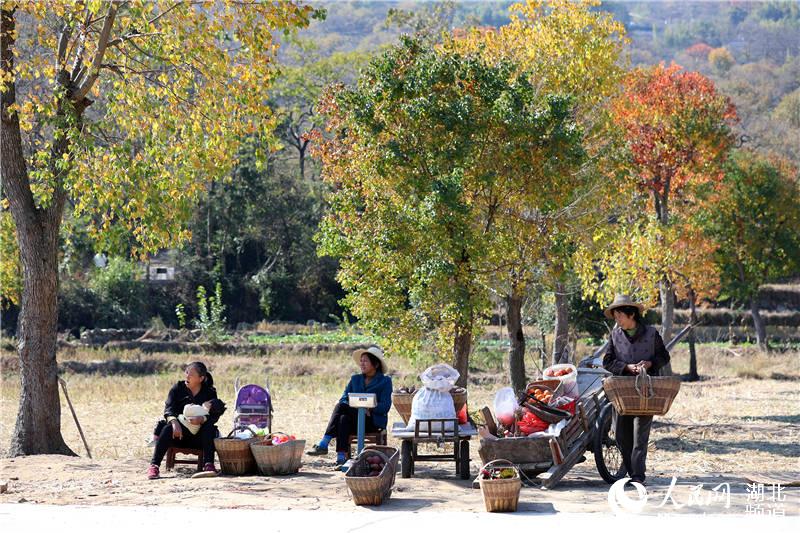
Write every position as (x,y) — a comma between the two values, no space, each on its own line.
(172,461)
(378,438)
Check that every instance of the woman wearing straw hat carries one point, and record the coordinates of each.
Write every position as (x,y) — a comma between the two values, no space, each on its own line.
(633,345)
(343,422)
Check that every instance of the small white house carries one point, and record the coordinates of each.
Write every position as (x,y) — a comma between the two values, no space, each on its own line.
(161,267)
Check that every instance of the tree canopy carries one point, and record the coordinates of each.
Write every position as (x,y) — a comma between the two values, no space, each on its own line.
(126,111)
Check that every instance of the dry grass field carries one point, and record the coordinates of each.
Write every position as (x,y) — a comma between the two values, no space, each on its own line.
(741,417)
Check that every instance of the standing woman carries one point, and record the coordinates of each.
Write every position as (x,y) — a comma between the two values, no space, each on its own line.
(190,412)
(633,345)
(344,420)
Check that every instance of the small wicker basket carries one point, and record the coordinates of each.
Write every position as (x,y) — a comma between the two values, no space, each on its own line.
(500,495)
(370,490)
(278,459)
(389,451)
(235,456)
(642,395)
(402,402)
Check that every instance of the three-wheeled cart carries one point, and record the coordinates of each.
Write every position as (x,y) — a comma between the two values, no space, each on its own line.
(548,458)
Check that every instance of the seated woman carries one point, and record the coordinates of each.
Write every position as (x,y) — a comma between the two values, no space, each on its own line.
(633,345)
(344,420)
(190,412)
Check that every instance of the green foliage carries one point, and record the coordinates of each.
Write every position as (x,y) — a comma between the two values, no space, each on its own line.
(180,313)
(756,223)
(120,292)
(78,306)
(254,234)
(439,147)
(210,319)
(10,268)
(331,337)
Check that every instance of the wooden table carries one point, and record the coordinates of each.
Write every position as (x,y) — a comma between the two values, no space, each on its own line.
(439,431)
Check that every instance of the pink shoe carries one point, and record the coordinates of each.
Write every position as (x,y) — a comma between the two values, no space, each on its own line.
(153,472)
(207,471)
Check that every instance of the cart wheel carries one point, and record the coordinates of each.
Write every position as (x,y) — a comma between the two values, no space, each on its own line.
(406,467)
(607,455)
(463,459)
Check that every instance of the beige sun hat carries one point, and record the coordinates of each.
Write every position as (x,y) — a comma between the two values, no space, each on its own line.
(622,300)
(372,350)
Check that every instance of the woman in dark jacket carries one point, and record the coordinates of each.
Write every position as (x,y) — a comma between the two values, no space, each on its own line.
(197,389)
(633,345)
(344,420)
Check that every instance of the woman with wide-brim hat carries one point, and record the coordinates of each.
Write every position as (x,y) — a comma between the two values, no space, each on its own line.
(633,345)
(344,420)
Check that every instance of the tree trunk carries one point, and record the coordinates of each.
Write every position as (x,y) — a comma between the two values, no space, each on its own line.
(462,346)
(667,316)
(38,426)
(516,338)
(302,153)
(693,375)
(561,336)
(758,323)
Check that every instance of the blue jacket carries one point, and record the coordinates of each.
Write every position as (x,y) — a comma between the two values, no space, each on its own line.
(381,386)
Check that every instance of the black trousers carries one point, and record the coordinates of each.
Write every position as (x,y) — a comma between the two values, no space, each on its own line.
(343,423)
(633,434)
(204,440)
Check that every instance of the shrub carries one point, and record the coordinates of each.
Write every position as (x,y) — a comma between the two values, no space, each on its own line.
(121,294)
(77,305)
(210,314)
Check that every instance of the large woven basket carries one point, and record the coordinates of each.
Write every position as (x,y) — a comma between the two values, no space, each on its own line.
(642,395)
(500,495)
(370,490)
(278,459)
(402,402)
(235,456)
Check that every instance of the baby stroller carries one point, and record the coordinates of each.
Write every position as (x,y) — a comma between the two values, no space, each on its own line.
(253,406)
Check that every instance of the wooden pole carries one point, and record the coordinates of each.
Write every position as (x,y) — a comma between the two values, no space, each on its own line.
(74,416)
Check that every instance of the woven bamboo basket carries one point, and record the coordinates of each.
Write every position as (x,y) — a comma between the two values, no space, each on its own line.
(642,395)
(402,402)
(500,495)
(459,399)
(370,490)
(278,459)
(235,456)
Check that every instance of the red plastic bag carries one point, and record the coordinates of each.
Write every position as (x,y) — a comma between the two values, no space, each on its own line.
(462,415)
(565,403)
(531,423)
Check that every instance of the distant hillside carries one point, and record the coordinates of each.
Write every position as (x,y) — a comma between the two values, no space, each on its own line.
(750,49)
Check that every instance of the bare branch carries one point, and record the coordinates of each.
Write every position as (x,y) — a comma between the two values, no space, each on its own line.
(63,41)
(102,43)
(119,40)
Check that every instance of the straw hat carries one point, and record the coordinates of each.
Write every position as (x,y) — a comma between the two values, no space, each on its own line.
(622,300)
(372,350)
